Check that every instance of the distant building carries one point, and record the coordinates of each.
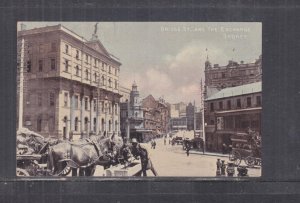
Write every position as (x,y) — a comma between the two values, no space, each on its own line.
(232,110)
(231,75)
(156,114)
(177,124)
(190,115)
(132,116)
(72,84)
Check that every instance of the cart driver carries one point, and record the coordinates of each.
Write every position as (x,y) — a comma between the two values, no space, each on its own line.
(139,151)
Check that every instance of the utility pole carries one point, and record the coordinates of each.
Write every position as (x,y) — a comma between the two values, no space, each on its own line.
(203,122)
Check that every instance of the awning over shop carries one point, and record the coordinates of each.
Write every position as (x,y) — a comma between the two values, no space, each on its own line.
(239,111)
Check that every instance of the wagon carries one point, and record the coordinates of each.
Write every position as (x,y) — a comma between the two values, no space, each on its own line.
(245,147)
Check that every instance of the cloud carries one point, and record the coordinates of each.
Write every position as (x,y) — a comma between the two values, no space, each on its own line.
(177,77)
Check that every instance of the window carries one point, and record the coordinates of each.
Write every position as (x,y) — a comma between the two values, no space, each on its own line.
(116,71)
(95,124)
(86,123)
(248,101)
(86,74)
(109,108)
(67,49)
(77,54)
(51,98)
(29,66)
(109,82)
(220,105)
(238,103)
(116,84)
(95,61)
(95,105)
(211,106)
(66,65)
(86,58)
(102,105)
(53,46)
(223,75)
(66,99)
(76,124)
(40,65)
(86,103)
(95,77)
(109,69)
(39,99)
(228,104)
(77,70)
(102,82)
(116,109)
(53,64)
(258,101)
(76,98)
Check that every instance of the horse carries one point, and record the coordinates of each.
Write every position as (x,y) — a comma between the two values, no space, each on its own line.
(84,154)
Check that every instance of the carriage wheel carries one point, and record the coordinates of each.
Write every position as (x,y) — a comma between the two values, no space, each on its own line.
(235,156)
(22,172)
(66,171)
(250,161)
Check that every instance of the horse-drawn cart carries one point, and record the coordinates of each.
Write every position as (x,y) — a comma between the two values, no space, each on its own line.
(245,146)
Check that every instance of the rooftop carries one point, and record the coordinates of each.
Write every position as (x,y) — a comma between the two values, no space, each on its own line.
(237,91)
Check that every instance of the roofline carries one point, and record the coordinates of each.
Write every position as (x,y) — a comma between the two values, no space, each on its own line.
(232,96)
(69,32)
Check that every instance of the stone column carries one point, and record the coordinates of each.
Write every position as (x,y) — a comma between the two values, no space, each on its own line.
(82,114)
(71,114)
(91,114)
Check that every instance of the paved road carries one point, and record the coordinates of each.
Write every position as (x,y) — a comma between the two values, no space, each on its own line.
(172,161)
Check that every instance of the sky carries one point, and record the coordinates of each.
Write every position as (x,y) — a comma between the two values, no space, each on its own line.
(166,59)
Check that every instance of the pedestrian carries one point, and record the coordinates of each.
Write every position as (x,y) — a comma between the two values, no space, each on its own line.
(139,151)
(165,140)
(154,144)
(188,147)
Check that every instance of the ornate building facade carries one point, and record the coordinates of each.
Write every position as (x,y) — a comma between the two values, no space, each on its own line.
(72,84)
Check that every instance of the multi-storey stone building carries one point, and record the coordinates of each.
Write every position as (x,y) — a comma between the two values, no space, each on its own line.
(233,74)
(156,115)
(72,84)
(232,110)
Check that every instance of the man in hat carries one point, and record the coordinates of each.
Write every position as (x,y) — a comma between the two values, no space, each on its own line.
(139,151)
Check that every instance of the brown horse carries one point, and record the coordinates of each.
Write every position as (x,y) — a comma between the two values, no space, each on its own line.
(83,154)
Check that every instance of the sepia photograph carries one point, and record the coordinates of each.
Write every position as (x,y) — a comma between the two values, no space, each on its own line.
(139,99)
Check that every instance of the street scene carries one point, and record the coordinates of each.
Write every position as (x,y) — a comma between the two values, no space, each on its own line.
(112,99)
